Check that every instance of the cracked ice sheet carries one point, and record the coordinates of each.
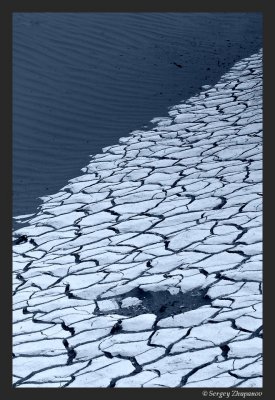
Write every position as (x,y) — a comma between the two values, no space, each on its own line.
(172,213)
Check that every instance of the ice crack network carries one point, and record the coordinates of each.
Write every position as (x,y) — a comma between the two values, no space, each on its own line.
(146,270)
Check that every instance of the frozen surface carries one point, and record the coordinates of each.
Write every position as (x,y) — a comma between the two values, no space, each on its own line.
(145,271)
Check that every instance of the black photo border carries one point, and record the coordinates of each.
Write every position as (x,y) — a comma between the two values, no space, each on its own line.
(7,8)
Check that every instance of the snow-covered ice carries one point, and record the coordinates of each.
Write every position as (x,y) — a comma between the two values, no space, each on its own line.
(146,270)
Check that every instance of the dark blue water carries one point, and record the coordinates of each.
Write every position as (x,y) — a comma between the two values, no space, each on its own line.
(83,80)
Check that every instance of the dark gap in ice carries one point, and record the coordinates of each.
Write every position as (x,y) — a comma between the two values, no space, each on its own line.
(107,354)
(20,278)
(69,294)
(222,203)
(219,275)
(27,266)
(71,356)
(33,242)
(162,303)
(256,333)
(68,328)
(77,257)
(135,364)
(225,349)
(184,379)
(25,310)
(117,327)
(138,368)
(71,352)
(204,272)
(21,239)
(111,228)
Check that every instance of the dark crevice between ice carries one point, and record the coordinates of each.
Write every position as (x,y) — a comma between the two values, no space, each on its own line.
(135,364)
(68,328)
(186,377)
(69,294)
(257,333)
(77,257)
(21,239)
(20,278)
(204,272)
(117,327)
(222,203)
(70,351)
(225,349)
(27,266)
(33,242)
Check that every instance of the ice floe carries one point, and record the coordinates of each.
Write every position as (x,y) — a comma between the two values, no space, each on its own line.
(146,270)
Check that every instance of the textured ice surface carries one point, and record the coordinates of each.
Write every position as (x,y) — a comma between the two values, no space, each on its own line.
(145,271)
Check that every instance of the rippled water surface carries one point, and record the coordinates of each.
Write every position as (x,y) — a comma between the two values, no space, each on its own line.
(81,81)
